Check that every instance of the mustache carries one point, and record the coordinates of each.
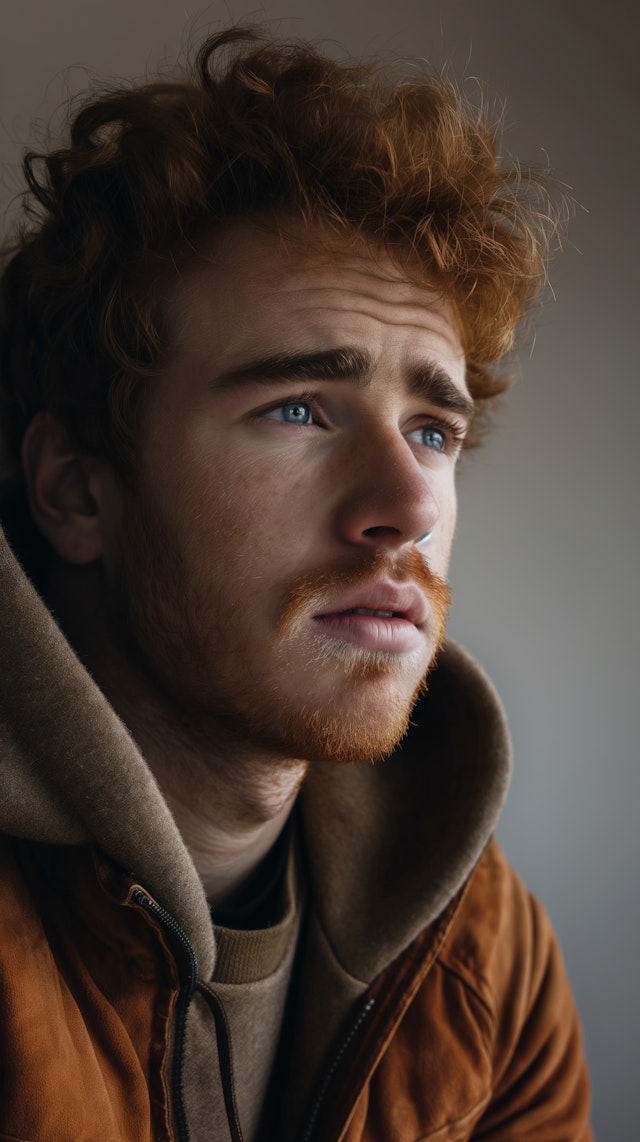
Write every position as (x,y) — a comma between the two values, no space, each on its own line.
(310,591)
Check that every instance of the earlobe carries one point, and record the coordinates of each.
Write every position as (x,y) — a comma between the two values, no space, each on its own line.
(63,491)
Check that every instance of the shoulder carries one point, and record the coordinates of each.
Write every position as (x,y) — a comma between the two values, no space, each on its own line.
(502,954)
(501,944)
(499,929)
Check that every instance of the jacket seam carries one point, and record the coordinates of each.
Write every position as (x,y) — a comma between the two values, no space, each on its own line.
(460,974)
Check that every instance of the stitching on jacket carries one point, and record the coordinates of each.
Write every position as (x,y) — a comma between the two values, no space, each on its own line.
(459,971)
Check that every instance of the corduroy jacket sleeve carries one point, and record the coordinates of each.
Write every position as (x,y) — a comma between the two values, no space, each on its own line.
(489,1044)
(540,1083)
(541,1087)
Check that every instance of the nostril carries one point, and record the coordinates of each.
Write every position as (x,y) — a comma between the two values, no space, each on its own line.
(380,531)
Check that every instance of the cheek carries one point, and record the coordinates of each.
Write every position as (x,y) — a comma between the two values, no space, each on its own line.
(233,513)
(440,553)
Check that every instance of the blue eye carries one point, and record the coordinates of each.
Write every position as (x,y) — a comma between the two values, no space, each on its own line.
(430,437)
(433,438)
(295,412)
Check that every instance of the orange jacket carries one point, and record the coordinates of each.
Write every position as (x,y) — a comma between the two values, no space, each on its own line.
(470,1033)
(431,1002)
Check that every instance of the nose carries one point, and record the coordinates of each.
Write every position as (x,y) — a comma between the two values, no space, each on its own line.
(388,498)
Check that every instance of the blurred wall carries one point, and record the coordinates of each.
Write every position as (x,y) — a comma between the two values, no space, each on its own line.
(546,563)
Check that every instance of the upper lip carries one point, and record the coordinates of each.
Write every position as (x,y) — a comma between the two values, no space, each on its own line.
(406,600)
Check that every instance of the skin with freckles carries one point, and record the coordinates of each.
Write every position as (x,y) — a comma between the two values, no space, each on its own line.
(250,483)
(302,438)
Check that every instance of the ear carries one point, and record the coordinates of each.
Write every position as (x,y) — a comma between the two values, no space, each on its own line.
(68,491)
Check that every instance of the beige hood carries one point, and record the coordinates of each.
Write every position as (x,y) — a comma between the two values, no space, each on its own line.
(388,844)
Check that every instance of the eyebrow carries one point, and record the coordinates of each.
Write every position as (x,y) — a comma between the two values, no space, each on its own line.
(428,380)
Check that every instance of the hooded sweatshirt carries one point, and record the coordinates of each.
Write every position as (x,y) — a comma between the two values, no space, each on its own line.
(404,955)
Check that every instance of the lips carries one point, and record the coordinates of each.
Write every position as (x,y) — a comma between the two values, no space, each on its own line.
(383,599)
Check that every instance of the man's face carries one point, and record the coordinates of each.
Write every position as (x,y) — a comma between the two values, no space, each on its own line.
(301,440)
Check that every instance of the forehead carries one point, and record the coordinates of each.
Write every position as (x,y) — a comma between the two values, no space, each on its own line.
(253,289)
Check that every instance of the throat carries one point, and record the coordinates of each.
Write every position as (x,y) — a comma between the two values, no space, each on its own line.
(230,813)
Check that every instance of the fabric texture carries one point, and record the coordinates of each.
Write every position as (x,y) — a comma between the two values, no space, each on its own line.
(427,999)
(255,1013)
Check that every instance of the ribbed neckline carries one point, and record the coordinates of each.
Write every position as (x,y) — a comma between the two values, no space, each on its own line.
(248,955)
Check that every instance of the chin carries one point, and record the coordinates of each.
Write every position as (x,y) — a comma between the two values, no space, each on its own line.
(363,723)
(353,740)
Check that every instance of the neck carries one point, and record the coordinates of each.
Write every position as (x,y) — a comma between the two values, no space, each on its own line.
(230,800)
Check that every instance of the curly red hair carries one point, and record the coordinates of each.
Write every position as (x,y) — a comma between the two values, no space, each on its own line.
(254,126)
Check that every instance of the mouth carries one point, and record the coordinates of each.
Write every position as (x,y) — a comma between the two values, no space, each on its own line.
(384,616)
(374,614)
(384,599)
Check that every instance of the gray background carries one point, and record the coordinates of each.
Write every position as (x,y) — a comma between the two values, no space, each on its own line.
(545,567)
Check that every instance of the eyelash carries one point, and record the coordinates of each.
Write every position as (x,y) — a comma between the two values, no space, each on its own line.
(453,430)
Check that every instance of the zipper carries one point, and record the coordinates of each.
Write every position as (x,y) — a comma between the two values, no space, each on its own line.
(187,988)
(366,1007)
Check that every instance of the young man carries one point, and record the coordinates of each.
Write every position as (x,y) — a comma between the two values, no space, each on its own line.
(243,345)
